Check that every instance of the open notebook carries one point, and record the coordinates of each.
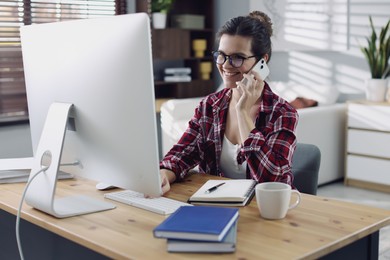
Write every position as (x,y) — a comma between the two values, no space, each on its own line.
(238,192)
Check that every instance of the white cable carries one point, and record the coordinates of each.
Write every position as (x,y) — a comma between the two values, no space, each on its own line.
(20,209)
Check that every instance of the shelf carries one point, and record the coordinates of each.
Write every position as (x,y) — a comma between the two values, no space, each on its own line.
(174,43)
(195,88)
(172,47)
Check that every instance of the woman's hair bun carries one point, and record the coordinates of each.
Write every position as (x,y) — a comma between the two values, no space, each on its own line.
(264,20)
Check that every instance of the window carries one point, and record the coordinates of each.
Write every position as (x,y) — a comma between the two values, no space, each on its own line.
(15,13)
(303,25)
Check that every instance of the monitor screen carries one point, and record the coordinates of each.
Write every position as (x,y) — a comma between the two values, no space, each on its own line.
(104,68)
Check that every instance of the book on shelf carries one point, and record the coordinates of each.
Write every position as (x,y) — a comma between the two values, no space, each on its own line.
(205,223)
(226,245)
(180,78)
(178,71)
(177,74)
(237,192)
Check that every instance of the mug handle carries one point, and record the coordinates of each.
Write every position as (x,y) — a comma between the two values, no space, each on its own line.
(296,203)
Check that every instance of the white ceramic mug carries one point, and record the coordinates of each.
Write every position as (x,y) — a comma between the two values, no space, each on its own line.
(273,199)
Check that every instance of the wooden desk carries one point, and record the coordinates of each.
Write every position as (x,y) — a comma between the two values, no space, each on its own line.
(317,227)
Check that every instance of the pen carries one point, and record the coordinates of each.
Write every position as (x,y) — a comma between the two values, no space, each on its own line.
(214,188)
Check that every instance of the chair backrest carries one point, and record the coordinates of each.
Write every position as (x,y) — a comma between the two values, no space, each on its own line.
(305,167)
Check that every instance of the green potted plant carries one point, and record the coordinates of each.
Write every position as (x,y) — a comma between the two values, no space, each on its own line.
(160,9)
(377,54)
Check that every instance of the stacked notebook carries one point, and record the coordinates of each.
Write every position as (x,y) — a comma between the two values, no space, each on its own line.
(14,170)
(16,176)
(202,229)
(177,74)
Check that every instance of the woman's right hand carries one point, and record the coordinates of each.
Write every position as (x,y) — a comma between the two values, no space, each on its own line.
(167,177)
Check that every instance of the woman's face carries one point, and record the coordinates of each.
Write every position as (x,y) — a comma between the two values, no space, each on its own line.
(235,45)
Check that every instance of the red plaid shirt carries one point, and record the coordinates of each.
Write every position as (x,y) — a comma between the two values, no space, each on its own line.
(268,149)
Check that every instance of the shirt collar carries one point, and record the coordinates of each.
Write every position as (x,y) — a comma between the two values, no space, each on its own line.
(267,100)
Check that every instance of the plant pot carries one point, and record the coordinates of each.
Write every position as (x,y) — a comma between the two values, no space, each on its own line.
(205,69)
(159,20)
(376,89)
(199,46)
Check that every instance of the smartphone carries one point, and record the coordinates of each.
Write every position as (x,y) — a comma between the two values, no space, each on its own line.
(261,68)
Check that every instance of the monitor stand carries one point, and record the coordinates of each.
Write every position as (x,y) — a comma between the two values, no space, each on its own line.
(41,192)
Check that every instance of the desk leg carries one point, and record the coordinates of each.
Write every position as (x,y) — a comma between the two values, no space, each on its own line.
(38,243)
(366,248)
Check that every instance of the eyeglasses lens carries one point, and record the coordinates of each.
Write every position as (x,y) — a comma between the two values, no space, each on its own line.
(219,58)
(234,60)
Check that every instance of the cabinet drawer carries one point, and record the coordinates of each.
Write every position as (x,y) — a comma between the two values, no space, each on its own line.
(375,117)
(369,143)
(368,169)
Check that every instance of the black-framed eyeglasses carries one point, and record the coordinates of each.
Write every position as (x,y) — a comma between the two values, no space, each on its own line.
(235,60)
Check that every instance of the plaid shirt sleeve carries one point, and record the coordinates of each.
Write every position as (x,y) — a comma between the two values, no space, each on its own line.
(184,155)
(201,142)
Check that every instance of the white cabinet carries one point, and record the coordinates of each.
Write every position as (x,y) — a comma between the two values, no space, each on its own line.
(368,145)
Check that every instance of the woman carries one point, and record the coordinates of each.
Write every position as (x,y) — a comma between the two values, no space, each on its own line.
(242,131)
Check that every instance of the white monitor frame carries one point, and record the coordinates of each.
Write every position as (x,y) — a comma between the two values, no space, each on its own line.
(100,71)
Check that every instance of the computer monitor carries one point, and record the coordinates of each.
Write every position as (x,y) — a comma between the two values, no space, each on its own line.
(100,71)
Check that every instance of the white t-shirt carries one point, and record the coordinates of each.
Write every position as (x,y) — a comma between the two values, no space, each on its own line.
(229,164)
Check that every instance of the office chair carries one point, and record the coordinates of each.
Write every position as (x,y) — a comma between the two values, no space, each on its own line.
(305,168)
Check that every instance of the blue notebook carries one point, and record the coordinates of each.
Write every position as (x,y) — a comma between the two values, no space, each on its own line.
(197,223)
(227,245)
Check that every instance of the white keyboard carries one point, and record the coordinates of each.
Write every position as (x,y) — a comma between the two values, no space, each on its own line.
(161,205)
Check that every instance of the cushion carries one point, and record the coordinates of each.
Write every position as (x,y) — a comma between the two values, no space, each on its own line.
(301,102)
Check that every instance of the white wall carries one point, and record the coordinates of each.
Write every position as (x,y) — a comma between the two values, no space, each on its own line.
(15,141)
(130,6)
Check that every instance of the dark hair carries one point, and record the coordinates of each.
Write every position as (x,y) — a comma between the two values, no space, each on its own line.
(256,25)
